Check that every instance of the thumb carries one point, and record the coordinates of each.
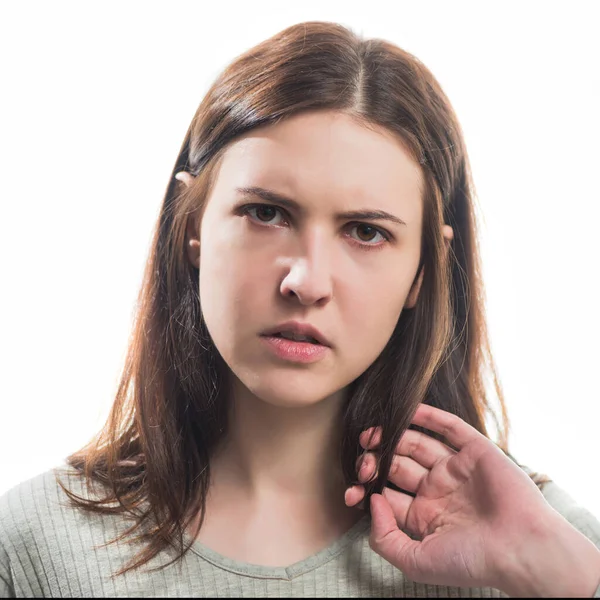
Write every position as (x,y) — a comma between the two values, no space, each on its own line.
(388,540)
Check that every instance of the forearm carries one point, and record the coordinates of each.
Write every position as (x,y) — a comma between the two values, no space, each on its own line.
(559,562)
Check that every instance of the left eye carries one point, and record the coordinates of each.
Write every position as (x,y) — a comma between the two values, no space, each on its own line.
(267,207)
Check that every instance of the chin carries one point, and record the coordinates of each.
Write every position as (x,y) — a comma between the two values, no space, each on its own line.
(288,399)
(285,388)
(282,392)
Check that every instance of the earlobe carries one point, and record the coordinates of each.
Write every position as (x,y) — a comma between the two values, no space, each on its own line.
(192,242)
(192,230)
(448,233)
(413,295)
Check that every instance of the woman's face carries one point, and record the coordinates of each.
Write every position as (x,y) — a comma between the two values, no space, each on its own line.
(276,264)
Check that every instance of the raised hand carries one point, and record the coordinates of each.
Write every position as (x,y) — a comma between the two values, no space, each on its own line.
(473,510)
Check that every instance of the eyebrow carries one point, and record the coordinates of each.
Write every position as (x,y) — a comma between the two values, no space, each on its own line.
(365,213)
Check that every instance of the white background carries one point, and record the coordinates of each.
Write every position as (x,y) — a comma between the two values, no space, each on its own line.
(95,102)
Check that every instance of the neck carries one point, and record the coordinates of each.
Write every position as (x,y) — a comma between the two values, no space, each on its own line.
(279,456)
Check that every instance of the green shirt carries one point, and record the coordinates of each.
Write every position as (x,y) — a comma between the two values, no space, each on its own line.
(47,550)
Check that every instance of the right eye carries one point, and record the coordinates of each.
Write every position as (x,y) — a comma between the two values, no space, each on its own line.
(260,208)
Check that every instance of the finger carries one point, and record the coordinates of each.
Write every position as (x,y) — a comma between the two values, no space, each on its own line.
(354,495)
(405,472)
(400,504)
(458,432)
(421,447)
(387,539)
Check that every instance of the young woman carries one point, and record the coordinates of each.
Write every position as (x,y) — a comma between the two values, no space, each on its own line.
(312,305)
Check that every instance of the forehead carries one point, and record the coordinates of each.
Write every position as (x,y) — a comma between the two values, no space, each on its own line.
(325,154)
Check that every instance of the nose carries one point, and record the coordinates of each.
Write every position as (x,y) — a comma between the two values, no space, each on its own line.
(309,277)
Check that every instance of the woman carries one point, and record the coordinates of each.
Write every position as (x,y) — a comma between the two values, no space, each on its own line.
(312,304)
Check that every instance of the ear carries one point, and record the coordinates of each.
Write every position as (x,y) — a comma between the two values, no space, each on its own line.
(192,240)
(413,295)
(192,229)
(411,300)
(185,177)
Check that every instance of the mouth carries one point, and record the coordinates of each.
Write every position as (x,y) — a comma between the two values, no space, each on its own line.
(295,351)
(299,332)
(308,340)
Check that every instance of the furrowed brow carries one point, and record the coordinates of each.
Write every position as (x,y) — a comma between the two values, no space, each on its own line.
(276,198)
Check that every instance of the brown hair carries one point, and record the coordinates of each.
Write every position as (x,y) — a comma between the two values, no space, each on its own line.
(152,455)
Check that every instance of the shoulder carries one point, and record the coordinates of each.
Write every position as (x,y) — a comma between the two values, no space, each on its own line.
(21,504)
(29,512)
(48,547)
(37,509)
(36,502)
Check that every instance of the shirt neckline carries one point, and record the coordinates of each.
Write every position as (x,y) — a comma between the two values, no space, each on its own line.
(296,569)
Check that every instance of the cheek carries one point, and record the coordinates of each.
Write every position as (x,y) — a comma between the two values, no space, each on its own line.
(220,257)
(233,284)
(373,310)
(379,297)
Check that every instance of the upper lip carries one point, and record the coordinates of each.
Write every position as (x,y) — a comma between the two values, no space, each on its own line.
(300,329)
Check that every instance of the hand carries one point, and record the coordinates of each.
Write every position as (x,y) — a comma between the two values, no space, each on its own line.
(474,510)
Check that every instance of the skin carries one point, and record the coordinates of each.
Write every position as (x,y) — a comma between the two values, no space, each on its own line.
(479,518)
(277,496)
(277,473)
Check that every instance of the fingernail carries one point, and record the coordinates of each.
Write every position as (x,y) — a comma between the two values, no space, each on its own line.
(346,495)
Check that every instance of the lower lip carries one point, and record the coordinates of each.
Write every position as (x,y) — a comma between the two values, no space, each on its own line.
(301,352)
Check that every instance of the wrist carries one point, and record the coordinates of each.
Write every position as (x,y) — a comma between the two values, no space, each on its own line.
(553,560)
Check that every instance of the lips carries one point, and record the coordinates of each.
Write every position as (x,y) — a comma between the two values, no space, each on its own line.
(298,328)
(291,337)
(295,352)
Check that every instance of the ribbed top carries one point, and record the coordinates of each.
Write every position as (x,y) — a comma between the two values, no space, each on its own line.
(48,549)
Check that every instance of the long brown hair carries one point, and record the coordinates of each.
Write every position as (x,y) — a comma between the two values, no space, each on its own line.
(170,411)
